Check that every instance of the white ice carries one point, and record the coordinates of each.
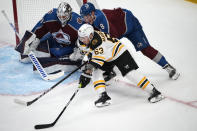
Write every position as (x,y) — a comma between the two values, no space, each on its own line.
(171,27)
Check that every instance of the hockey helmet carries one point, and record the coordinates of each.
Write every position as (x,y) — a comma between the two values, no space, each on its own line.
(87,9)
(64,12)
(85,30)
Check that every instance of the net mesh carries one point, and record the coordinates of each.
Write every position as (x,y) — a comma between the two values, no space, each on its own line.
(31,11)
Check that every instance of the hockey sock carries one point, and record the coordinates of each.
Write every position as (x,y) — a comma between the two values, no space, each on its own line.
(140,80)
(154,55)
(99,86)
(98,81)
(144,83)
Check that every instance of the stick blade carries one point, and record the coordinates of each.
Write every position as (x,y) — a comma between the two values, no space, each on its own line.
(54,76)
(42,126)
(20,102)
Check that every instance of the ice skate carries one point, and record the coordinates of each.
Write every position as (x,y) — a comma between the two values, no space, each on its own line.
(173,74)
(155,96)
(104,100)
(109,75)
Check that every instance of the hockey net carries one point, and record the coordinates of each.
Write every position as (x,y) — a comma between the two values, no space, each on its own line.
(28,12)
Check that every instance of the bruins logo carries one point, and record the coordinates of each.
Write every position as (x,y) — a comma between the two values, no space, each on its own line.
(94,42)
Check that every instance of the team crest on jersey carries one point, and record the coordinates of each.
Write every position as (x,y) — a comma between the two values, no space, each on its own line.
(61,37)
(94,41)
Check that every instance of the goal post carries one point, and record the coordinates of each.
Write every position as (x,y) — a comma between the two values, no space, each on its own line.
(28,12)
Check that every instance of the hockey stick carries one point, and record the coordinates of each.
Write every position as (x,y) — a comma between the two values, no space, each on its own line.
(42,126)
(5,15)
(30,102)
(41,71)
(33,58)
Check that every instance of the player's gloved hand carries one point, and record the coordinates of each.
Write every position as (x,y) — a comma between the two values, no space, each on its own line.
(87,57)
(84,80)
(76,55)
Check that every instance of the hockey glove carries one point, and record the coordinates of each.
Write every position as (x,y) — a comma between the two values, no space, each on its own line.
(84,80)
(87,57)
(76,55)
(28,43)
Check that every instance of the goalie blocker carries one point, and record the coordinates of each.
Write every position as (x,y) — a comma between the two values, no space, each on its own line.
(28,43)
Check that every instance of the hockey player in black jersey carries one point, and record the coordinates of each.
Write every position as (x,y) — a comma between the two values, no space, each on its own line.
(104,50)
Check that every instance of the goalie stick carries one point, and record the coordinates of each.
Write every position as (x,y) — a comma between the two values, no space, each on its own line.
(32,101)
(42,126)
(33,58)
(41,71)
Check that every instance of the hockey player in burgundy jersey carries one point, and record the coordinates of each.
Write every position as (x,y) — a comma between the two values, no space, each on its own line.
(56,35)
(121,23)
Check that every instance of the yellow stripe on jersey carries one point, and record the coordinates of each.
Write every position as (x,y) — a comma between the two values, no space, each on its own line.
(98,62)
(99,57)
(116,50)
(120,47)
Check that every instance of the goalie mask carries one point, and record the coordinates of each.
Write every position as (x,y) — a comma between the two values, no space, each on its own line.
(64,13)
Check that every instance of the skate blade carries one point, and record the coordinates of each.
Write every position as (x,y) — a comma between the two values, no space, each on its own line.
(157,99)
(176,76)
(107,103)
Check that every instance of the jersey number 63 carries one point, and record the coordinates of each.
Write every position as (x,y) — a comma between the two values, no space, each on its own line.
(98,51)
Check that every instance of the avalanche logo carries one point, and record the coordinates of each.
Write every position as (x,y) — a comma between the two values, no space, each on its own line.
(61,37)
